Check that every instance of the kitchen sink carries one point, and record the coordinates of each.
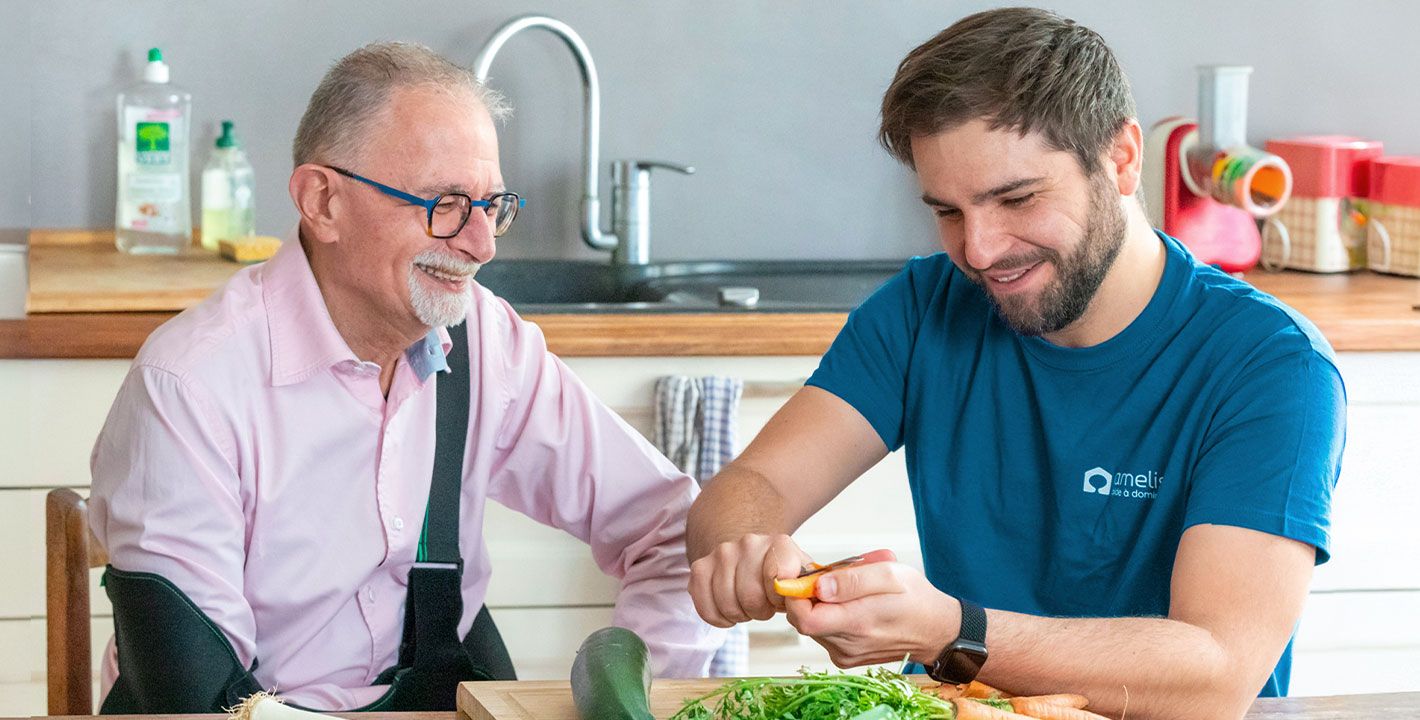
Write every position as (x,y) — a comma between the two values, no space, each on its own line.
(539,283)
(560,286)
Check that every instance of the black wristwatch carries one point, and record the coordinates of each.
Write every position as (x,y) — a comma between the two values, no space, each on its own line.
(961,660)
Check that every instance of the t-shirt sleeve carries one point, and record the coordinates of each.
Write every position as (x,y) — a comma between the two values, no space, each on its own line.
(866,366)
(1272,454)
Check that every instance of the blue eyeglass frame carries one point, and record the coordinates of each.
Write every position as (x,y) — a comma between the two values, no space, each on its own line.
(430,204)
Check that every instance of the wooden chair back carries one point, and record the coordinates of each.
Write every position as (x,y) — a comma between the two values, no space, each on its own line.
(70,552)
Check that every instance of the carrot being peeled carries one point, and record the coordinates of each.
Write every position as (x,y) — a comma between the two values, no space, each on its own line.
(974,709)
(1042,709)
(799,587)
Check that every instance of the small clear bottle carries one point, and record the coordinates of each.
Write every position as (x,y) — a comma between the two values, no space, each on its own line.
(154,213)
(228,184)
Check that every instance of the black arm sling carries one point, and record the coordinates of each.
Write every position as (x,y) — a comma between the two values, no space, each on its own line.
(173,659)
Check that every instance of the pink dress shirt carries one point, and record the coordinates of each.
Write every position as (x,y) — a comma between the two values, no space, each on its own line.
(251,459)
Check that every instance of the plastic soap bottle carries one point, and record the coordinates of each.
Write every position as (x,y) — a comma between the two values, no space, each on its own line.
(154,197)
(227,186)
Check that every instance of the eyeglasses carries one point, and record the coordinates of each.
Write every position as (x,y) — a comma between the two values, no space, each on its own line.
(449,212)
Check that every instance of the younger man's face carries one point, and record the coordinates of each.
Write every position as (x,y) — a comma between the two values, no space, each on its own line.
(1022,220)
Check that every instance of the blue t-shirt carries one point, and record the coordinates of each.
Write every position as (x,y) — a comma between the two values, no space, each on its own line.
(1058,481)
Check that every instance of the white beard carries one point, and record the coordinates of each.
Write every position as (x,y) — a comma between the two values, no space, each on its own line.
(435,308)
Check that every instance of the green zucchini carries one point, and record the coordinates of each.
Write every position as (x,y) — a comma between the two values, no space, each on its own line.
(611,677)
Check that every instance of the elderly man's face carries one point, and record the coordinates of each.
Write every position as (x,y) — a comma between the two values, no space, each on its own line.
(1022,220)
(430,142)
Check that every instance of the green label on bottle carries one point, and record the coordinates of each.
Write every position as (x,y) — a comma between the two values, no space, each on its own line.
(152,143)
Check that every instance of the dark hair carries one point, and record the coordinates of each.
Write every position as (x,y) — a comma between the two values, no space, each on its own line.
(1023,69)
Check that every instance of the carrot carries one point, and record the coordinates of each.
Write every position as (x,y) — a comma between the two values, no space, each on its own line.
(944,691)
(1051,711)
(1066,699)
(973,709)
(806,584)
(799,587)
(978,689)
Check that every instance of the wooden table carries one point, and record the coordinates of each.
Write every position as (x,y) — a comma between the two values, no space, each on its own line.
(1393,706)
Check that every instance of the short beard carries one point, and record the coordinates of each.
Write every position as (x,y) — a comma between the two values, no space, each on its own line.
(440,309)
(1077,277)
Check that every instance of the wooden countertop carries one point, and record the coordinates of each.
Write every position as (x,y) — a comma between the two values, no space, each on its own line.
(1338,707)
(1356,312)
(119,335)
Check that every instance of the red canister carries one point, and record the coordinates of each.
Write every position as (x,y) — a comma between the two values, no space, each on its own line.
(1322,228)
(1393,209)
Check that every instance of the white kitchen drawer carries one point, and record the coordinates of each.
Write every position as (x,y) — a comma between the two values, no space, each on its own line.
(1385,378)
(543,641)
(1375,539)
(25,699)
(22,530)
(1347,672)
(631,381)
(23,642)
(22,664)
(538,566)
(1336,621)
(23,655)
(53,412)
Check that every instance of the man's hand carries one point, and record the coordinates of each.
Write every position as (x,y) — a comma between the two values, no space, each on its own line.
(735,582)
(877,612)
(737,532)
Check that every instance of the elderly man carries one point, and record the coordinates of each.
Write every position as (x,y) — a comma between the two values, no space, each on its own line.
(1121,460)
(263,481)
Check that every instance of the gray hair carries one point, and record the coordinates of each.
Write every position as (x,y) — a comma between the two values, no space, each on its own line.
(354,94)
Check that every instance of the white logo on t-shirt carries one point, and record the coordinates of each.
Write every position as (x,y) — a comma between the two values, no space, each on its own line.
(1098,480)
(1141,486)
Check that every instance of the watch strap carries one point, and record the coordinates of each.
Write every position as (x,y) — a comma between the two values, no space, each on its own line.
(973,622)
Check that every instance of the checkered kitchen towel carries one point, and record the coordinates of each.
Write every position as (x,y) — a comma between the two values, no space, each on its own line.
(695,428)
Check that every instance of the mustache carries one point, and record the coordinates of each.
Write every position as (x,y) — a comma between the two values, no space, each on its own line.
(1018,262)
(445,264)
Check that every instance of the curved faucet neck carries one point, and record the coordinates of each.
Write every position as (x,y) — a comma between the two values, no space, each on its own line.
(591,113)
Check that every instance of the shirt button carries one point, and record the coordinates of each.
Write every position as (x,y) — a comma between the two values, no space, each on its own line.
(369,594)
(399,523)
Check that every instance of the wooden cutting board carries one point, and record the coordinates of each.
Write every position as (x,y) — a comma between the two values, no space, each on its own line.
(82,271)
(552,699)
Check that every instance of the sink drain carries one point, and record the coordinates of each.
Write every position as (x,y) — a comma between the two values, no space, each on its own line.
(744,297)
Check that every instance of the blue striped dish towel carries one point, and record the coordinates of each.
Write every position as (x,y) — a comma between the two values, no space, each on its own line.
(695,428)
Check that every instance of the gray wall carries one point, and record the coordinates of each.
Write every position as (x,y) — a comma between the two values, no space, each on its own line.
(774,102)
(15,61)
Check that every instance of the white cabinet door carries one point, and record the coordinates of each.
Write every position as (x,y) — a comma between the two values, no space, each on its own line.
(1358,642)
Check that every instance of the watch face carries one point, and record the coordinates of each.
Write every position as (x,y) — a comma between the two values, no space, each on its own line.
(961,663)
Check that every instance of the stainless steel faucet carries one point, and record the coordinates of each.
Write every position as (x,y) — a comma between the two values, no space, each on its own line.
(631,207)
(629,240)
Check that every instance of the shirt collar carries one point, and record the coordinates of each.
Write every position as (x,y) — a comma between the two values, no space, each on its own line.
(304,339)
(430,355)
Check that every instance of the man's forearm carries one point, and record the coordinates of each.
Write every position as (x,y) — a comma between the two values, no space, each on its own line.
(739,501)
(1166,668)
